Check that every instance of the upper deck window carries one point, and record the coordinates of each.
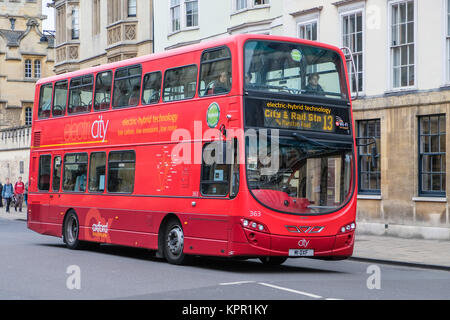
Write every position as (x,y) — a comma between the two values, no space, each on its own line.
(60,98)
(103,84)
(152,88)
(215,72)
(294,69)
(80,94)
(127,87)
(180,83)
(45,100)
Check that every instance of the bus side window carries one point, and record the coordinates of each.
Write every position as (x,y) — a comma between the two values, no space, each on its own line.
(97,166)
(103,84)
(215,72)
(45,100)
(180,83)
(80,94)
(151,88)
(121,167)
(75,172)
(56,181)
(59,98)
(44,172)
(127,87)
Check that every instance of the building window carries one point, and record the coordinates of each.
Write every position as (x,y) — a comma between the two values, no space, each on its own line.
(432,155)
(28,69)
(37,69)
(369,176)
(241,4)
(191,13)
(28,116)
(75,23)
(448,40)
(132,10)
(260,2)
(402,44)
(21,167)
(308,30)
(175,15)
(114,10)
(352,38)
(61,31)
(96,17)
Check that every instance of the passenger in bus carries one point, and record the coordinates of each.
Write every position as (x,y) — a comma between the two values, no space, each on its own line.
(134,97)
(222,83)
(313,87)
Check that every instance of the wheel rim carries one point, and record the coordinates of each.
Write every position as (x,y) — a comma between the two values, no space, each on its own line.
(72,230)
(175,241)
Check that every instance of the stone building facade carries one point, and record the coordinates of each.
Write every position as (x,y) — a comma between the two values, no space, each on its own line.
(91,33)
(25,56)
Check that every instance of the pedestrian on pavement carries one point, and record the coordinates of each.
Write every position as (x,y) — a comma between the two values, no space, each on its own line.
(1,197)
(19,190)
(8,193)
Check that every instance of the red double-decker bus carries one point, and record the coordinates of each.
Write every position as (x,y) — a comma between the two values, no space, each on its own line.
(238,147)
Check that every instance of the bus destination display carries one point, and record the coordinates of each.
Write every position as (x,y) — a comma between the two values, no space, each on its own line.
(296,116)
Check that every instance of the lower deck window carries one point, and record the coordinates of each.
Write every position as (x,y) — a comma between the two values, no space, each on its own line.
(121,167)
(75,172)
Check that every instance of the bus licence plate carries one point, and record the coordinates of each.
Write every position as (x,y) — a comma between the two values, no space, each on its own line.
(301,252)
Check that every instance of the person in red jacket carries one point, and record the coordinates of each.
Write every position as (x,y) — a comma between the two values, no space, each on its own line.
(19,190)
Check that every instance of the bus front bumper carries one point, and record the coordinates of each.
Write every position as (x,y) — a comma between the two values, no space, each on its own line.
(259,244)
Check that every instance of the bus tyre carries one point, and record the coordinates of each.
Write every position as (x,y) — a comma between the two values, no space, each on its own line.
(273,261)
(174,243)
(71,231)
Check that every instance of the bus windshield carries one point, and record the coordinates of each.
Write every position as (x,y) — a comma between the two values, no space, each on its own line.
(294,69)
(299,175)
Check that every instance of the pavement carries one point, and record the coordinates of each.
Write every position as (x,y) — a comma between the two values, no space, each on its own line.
(369,247)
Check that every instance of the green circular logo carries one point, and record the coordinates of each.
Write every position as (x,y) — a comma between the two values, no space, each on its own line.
(213,114)
(296,55)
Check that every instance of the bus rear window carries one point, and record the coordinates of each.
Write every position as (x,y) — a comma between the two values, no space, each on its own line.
(45,100)
(180,83)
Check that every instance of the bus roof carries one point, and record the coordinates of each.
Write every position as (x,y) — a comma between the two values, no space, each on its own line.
(239,38)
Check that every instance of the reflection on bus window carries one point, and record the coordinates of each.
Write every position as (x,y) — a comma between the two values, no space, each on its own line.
(60,98)
(215,72)
(180,83)
(152,88)
(127,87)
(97,166)
(80,94)
(75,172)
(103,84)
(45,99)
(121,165)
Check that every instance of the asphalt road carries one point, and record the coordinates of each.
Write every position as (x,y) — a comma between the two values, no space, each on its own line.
(34,266)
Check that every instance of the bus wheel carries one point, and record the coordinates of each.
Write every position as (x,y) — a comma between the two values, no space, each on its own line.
(273,261)
(71,231)
(174,243)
